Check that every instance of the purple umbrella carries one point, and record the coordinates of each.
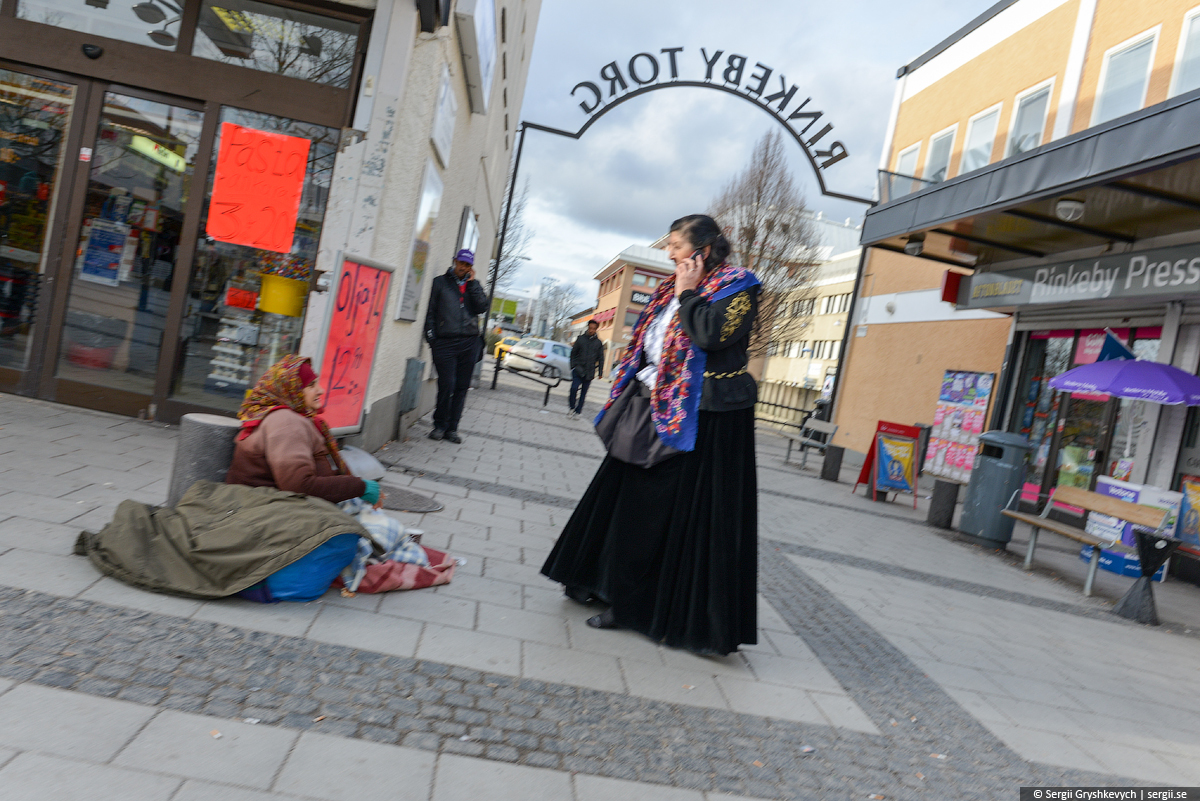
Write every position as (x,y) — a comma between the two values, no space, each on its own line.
(1135,379)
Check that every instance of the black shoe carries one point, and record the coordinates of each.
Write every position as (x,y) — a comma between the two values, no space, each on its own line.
(437,433)
(452,436)
(579,595)
(604,620)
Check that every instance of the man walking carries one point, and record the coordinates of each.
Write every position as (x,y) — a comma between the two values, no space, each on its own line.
(452,331)
(587,360)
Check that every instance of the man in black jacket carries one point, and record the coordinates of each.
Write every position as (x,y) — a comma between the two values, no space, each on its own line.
(587,360)
(452,331)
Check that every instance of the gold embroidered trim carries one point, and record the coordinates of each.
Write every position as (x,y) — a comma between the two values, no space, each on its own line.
(725,375)
(738,308)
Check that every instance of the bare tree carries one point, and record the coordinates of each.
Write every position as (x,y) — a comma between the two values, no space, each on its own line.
(516,240)
(559,300)
(763,217)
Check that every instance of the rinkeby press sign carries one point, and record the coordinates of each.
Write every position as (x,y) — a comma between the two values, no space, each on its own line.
(1163,271)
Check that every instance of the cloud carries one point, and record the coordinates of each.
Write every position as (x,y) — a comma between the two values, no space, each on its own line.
(668,152)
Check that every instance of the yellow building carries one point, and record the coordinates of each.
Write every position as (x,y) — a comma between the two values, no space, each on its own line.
(1039,182)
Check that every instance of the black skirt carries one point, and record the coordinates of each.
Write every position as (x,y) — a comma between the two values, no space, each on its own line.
(673,548)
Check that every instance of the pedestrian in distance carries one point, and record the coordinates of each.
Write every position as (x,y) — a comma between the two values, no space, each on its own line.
(667,532)
(456,300)
(587,360)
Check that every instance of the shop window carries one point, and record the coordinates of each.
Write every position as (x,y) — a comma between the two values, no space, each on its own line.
(1187,69)
(238,322)
(981,136)
(938,163)
(1030,121)
(1124,77)
(33,127)
(269,38)
(154,23)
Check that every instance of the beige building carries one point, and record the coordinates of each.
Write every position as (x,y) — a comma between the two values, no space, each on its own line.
(1041,167)
(626,285)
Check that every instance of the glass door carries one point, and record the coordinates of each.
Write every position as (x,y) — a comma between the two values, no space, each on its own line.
(35,118)
(138,186)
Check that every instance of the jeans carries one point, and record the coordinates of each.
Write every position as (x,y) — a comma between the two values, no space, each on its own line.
(578,384)
(454,360)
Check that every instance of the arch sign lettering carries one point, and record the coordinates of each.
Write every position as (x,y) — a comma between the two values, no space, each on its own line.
(736,74)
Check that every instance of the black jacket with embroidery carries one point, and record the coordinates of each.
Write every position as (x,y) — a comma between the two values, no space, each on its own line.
(722,329)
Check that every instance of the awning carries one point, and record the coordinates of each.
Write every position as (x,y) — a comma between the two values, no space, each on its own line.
(1138,178)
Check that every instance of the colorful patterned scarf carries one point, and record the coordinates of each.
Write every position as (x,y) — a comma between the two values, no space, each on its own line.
(675,401)
(281,388)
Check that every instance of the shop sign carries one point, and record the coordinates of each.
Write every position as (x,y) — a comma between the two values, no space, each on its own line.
(640,297)
(1162,271)
(359,300)
(257,188)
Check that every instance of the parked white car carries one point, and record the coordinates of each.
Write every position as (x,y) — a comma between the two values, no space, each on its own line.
(547,357)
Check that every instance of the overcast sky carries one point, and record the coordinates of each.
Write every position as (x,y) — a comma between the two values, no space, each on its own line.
(669,152)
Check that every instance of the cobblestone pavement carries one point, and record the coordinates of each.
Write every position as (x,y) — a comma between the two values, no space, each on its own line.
(892,661)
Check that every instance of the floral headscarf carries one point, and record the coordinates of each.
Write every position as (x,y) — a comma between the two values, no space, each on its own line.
(281,388)
(675,399)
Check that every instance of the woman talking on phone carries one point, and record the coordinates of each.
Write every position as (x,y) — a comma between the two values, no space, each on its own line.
(667,532)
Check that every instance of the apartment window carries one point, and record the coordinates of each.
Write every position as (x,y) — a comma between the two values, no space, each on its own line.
(503,26)
(938,163)
(1123,80)
(772,348)
(906,163)
(631,317)
(1187,73)
(981,135)
(639,279)
(1030,121)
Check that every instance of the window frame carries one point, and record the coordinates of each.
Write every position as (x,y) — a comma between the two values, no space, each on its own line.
(1151,34)
(972,121)
(916,161)
(952,132)
(1048,85)
(1188,16)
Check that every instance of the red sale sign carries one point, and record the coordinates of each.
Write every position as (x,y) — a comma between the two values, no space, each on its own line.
(257,188)
(359,301)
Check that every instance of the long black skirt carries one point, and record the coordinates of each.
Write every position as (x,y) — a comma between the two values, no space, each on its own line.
(673,548)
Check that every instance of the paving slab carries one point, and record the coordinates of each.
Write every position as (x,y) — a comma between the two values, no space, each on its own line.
(37,777)
(63,723)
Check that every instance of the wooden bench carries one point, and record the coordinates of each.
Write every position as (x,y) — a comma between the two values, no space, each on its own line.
(807,438)
(1138,515)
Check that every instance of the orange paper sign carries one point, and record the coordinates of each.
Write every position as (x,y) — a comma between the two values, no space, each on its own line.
(257,188)
(358,305)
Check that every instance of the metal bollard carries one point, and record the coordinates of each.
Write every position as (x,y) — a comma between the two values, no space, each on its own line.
(941,505)
(204,451)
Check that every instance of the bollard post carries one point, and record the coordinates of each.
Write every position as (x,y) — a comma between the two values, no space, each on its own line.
(204,450)
(831,467)
(941,505)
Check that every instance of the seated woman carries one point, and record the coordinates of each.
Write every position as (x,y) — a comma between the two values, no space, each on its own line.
(284,444)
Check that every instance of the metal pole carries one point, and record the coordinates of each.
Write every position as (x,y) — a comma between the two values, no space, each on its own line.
(512,185)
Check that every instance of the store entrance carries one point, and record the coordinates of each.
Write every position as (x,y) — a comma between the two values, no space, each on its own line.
(132,200)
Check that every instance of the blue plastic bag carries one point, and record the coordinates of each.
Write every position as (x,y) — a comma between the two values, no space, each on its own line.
(308,577)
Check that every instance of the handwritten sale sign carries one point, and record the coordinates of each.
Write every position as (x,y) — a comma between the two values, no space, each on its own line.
(359,300)
(257,188)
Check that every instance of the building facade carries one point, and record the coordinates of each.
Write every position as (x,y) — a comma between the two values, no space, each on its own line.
(1040,183)
(134,276)
(626,285)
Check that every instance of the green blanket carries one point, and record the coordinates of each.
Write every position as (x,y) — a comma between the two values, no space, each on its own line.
(219,540)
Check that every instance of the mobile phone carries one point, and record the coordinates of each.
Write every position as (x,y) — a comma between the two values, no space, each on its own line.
(698,254)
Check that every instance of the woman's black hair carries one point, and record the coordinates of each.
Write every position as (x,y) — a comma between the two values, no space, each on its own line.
(702,231)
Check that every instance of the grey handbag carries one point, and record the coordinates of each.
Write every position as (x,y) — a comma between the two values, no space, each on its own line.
(627,429)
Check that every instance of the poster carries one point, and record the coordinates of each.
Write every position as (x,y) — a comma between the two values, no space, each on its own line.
(958,419)
(897,431)
(103,252)
(1114,529)
(359,299)
(1189,513)
(257,188)
(896,463)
